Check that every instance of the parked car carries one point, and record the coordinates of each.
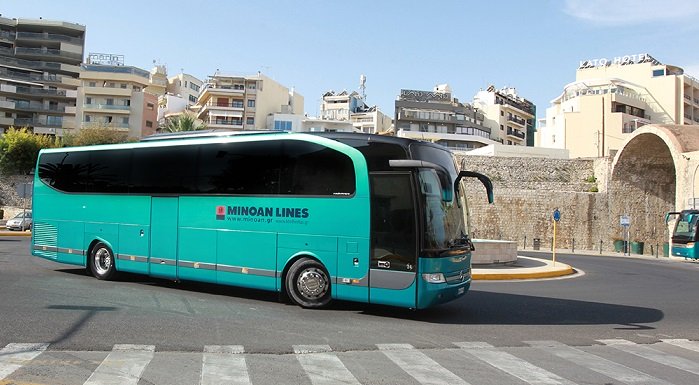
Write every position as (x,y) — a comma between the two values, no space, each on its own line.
(21,221)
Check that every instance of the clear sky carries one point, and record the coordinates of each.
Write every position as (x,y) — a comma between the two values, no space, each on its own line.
(316,46)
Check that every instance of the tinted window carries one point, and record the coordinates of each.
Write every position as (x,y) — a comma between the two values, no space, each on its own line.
(108,171)
(312,169)
(240,168)
(163,170)
(377,154)
(66,171)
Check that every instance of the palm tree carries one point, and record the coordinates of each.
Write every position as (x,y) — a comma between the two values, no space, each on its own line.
(186,121)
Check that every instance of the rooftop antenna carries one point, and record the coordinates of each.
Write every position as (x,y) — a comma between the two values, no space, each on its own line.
(362,86)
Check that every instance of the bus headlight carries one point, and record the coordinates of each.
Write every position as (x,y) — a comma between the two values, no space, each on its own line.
(690,245)
(434,278)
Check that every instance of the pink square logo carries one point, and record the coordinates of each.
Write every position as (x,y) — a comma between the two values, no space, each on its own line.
(220,212)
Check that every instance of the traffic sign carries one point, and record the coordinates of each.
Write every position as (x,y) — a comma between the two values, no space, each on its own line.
(625,220)
(556,215)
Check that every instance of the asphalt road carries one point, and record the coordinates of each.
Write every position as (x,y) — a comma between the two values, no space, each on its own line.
(638,300)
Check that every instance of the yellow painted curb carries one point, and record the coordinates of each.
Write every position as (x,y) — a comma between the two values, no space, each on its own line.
(524,275)
(7,233)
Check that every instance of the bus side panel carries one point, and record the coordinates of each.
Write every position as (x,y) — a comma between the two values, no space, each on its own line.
(321,247)
(246,258)
(133,249)
(392,297)
(196,255)
(352,269)
(107,232)
(70,243)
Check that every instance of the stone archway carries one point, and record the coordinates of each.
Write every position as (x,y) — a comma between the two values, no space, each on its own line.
(649,178)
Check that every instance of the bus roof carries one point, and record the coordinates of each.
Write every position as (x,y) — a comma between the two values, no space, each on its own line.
(203,134)
(403,142)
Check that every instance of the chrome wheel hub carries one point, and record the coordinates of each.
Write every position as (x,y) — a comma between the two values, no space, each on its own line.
(103,261)
(312,283)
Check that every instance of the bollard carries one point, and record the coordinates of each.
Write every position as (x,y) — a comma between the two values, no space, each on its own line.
(600,246)
(573,249)
(656,250)
(651,249)
(525,241)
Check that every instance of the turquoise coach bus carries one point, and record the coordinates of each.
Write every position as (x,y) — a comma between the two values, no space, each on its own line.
(319,217)
(685,237)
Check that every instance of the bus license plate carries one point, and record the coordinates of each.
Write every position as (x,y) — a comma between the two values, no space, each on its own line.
(461,290)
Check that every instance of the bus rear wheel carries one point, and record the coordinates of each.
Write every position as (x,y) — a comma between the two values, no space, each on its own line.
(102,262)
(308,284)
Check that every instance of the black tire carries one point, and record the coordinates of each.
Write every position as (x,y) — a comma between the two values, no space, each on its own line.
(101,262)
(308,284)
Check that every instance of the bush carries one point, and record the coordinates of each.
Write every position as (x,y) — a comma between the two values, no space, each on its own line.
(19,149)
(95,135)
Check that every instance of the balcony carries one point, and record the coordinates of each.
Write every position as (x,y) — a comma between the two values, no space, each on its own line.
(516,119)
(48,53)
(47,37)
(7,36)
(38,107)
(109,107)
(516,133)
(42,92)
(33,64)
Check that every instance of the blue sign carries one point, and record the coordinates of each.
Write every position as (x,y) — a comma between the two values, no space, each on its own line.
(556,215)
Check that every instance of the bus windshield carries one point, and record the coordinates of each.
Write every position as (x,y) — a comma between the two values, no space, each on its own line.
(686,228)
(445,221)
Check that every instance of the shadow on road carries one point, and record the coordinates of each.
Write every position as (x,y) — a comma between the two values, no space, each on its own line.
(476,308)
(486,308)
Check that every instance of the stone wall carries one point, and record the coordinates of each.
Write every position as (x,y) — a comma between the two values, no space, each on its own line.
(10,202)
(528,190)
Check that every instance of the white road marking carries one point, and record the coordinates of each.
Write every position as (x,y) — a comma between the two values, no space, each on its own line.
(417,364)
(512,365)
(124,365)
(598,364)
(653,355)
(322,366)
(224,365)
(14,356)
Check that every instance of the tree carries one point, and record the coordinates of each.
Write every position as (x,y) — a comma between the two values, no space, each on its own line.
(19,149)
(183,122)
(95,135)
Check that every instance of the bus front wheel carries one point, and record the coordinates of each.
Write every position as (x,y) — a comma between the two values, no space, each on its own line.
(308,284)
(102,262)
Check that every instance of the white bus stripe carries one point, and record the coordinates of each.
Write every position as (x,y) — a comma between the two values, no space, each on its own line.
(510,364)
(224,365)
(595,363)
(684,344)
(14,356)
(653,355)
(322,366)
(417,364)
(123,365)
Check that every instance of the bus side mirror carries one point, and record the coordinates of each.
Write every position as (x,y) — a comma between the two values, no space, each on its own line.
(484,179)
(442,173)
(667,216)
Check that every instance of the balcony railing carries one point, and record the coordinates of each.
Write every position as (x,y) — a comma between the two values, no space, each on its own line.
(516,133)
(31,106)
(517,120)
(106,107)
(33,64)
(47,52)
(227,122)
(240,105)
(47,36)
(40,91)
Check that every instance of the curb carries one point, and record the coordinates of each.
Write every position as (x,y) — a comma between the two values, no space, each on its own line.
(8,233)
(509,276)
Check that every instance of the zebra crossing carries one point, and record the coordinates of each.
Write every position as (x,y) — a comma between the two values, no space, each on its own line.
(607,361)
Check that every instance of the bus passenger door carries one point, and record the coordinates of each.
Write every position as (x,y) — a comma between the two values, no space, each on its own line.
(163,238)
(393,266)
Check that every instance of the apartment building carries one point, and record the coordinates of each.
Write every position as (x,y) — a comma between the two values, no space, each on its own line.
(510,117)
(247,103)
(115,96)
(185,86)
(158,81)
(612,97)
(350,107)
(437,116)
(39,67)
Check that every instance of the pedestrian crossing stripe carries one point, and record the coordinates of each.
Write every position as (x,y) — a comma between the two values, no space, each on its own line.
(229,364)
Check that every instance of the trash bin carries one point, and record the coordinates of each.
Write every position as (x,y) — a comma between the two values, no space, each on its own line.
(537,243)
(637,247)
(666,250)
